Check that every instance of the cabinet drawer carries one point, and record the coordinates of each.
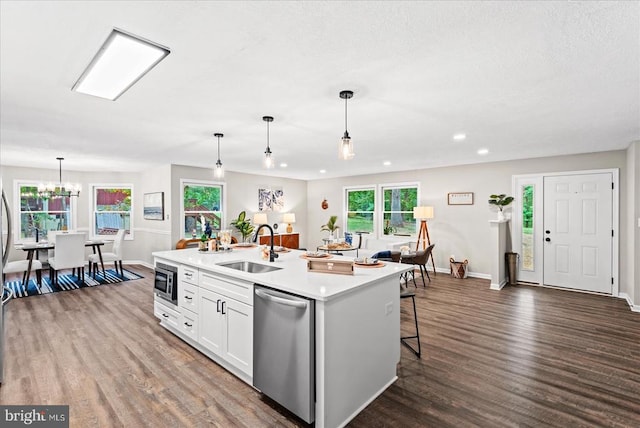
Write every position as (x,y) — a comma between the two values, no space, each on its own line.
(188,274)
(166,314)
(188,324)
(229,287)
(188,296)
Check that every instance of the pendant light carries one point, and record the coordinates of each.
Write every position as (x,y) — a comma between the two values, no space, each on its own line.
(219,171)
(345,147)
(60,190)
(268,159)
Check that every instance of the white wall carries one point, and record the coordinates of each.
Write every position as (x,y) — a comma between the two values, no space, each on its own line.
(242,195)
(132,249)
(632,248)
(463,230)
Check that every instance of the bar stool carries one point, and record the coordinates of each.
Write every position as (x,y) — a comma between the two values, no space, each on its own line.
(406,294)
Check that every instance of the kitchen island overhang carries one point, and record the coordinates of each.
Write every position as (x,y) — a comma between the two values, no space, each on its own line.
(357,323)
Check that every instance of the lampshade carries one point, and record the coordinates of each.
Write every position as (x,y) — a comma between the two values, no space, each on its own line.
(422,212)
(260,218)
(289,218)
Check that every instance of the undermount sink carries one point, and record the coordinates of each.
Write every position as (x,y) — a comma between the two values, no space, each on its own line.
(249,267)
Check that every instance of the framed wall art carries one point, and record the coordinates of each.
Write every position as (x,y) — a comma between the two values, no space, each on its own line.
(153,206)
(460,198)
(270,199)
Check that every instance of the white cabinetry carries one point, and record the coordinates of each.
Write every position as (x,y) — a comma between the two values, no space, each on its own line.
(188,292)
(226,324)
(167,315)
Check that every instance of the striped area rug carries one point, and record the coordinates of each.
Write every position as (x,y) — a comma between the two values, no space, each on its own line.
(68,282)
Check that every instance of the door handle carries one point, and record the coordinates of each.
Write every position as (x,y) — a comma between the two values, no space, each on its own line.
(218,306)
(223,303)
(266,296)
(547,232)
(547,239)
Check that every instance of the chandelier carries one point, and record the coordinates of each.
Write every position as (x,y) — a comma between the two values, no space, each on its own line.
(59,190)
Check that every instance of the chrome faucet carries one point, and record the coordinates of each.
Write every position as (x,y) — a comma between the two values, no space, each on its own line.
(272,254)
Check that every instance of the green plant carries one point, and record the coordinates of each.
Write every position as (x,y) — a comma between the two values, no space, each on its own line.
(388,229)
(500,200)
(243,225)
(331,225)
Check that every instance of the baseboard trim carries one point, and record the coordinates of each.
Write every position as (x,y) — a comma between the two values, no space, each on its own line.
(499,286)
(634,308)
(447,271)
(138,262)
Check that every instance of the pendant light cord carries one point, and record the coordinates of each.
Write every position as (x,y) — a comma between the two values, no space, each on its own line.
(218,149)
(267,135)
(345,115)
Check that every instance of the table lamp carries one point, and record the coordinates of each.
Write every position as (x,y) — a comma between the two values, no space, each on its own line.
(289,218)
(423,214)
(260,218)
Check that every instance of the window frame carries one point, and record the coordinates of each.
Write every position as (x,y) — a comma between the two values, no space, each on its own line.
(223,201)
(17,221)
(92,209)
(345,207)
(402,185)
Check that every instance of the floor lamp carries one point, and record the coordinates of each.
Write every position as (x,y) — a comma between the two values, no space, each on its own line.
(422,214)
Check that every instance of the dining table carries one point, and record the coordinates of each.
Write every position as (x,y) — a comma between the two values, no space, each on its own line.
(32,249)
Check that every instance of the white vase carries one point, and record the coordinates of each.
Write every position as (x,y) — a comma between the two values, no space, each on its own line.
(500,216)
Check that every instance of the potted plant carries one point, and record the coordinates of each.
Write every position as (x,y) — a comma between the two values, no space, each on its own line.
(243,225)
(202,245)
(331,226)
(388,229)
(500,201)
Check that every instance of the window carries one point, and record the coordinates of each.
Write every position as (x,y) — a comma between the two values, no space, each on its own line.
(39,215)
(361,204)
(527,228)
(111,209)
(201,201)
(397,214)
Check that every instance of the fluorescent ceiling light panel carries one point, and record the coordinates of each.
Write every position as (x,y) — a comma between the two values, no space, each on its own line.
(121,61)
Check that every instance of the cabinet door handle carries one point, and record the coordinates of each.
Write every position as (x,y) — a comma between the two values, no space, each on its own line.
(165,315)
(223,312)
(188,298)
(188,325)
(218,306)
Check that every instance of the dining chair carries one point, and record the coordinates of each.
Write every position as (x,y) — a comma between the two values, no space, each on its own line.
(69,254)
(22,266)
(420,259)
(114,256)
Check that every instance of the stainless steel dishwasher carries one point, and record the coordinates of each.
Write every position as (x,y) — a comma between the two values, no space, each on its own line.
(284,349)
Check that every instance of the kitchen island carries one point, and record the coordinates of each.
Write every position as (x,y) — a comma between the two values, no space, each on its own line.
(357,321)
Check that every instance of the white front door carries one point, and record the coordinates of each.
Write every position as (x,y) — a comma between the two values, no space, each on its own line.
(577,231)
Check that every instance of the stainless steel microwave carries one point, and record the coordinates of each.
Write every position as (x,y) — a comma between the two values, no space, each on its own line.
(166,282)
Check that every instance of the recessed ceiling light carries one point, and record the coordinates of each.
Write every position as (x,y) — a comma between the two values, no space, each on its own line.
(483,151)
(121,61)
(322,171)
(283,165)
(459,137)
(386,163)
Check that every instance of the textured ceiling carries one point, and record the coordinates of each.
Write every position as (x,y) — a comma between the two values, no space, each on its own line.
(522,79)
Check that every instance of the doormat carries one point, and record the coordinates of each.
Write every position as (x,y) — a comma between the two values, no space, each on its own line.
(69,282)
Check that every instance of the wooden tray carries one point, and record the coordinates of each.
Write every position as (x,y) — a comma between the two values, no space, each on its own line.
(342,267)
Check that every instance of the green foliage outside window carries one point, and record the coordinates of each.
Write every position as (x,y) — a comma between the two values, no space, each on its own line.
(360,208)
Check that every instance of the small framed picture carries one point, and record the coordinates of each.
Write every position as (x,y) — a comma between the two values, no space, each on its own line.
(153,206)
(460,198)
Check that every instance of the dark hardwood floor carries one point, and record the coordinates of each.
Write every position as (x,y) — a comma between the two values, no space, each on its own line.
(523,356)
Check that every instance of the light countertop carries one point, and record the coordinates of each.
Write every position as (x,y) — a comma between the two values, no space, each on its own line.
(293,277)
